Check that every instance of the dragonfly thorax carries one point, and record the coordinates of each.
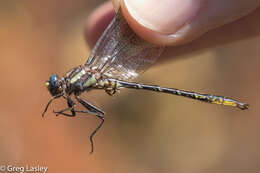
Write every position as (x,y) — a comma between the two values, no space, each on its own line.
(80,79)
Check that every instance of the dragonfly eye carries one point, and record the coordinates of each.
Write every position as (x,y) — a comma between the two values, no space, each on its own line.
(54,85)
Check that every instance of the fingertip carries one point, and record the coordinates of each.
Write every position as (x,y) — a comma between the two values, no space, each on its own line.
(164,27)
(101,17)
(142,31)
(177,22)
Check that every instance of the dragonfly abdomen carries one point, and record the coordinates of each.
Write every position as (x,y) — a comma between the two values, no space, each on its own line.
(209,98)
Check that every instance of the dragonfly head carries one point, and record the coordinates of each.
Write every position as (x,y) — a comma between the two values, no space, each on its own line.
(54,85)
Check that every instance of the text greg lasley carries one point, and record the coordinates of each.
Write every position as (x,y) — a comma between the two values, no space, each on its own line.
(36,168)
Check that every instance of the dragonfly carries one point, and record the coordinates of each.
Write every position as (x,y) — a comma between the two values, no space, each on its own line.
(118,57)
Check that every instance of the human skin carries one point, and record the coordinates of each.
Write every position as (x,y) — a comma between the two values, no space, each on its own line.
(161,23)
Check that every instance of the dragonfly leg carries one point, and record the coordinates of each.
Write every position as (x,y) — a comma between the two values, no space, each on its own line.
(71,105)
(91,109)
(50,101)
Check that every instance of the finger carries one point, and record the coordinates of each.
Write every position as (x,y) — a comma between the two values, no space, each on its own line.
(245,28)
(174,22)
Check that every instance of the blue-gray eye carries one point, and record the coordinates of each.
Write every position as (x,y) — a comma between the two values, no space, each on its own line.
(54,85)
(54,80)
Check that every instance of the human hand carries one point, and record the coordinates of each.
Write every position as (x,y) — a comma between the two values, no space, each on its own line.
(177,22)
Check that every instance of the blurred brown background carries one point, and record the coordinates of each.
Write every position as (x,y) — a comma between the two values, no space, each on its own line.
(143,131)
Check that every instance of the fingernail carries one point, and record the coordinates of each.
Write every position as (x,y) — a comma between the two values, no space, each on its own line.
(164,16)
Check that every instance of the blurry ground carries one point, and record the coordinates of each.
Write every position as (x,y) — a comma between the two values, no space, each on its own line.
(144,131)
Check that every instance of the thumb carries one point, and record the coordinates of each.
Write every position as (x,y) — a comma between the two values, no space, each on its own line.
(174,22)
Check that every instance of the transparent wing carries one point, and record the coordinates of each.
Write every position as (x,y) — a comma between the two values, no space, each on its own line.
(120,53)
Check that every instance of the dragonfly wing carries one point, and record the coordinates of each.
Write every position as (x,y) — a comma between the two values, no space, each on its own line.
(120,53)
